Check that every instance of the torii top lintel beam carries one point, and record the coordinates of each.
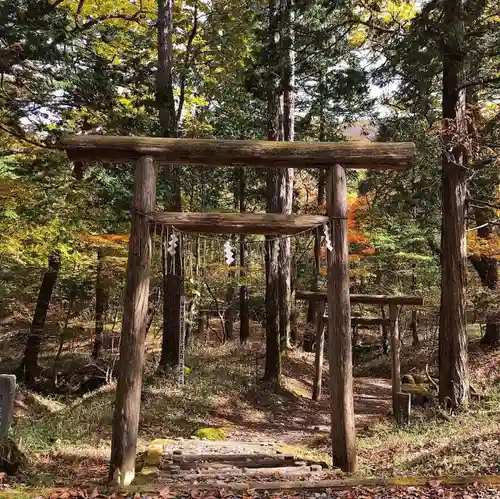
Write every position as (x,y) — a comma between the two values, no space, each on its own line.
(207,152)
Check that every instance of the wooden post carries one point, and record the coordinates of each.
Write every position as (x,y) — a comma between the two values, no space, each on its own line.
(128,391)
(395,365)
(201,325)
(320,346)
(339,327)
(404,408)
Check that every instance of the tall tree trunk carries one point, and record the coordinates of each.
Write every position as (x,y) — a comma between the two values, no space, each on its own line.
(311,311)
(29,368)
(173,340)
(231,289)
(164,80)
(229,313)
(414,314)
(101,304)
(285,267)
(285,245)
(272,370)
(453,357)
(294,314)
(244,308)
(173,281)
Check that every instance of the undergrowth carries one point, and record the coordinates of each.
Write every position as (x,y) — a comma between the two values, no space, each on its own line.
(70,439)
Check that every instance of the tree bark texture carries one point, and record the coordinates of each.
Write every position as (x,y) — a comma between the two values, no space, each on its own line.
(339,327)
(244,307)
(272,370)
(395,360)
(453,362)
(164,80)
(29,369)
(135,309)
(229,313)
(101,304)
(285,245)
(285,263)
(173,283)
(173,340)
(319,352)
(414,327)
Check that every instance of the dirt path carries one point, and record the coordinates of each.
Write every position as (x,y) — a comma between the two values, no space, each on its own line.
(300,419)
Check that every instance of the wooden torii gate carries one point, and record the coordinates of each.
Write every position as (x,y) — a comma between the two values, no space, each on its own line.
(148,152)
(395,302)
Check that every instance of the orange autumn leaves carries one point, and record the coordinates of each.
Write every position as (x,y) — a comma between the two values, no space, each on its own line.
(360,244)
(484,246)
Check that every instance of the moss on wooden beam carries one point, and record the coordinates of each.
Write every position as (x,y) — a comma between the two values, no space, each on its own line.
(208,152)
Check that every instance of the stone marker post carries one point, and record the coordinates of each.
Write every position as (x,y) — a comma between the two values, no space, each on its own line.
(7,396)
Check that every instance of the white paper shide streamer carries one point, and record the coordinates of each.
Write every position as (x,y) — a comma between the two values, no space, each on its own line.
(172,244)
(228,253)
(328,240)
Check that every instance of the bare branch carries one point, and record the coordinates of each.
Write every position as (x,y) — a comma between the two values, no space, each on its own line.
(23,138)
(483,203)
(79,8)
(106,17)
(13,152)
(480,83)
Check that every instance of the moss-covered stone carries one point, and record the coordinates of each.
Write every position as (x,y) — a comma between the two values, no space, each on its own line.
(417,390)
(210,434)
(408,379)
(420,379)
(150,471)
(154,452)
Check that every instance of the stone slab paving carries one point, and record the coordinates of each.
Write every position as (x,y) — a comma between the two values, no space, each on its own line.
(193,461)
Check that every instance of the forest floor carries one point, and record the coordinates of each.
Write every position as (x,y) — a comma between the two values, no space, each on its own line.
(66,438)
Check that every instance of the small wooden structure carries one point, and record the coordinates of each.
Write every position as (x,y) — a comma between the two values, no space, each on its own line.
(395,303)
(148,152)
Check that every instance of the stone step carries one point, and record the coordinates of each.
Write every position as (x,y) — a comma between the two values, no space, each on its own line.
(238,473)
(242,461)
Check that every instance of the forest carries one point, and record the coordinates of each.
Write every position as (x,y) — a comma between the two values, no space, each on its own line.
(189,187)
